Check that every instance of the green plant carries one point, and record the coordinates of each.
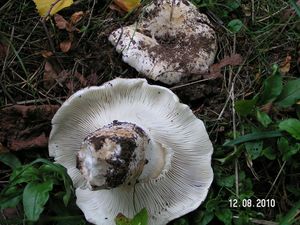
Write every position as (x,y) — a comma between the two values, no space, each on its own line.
(276,96)
(141,218)
(32,184)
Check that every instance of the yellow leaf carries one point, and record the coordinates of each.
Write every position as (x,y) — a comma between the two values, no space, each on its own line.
(127,5)
(44,6)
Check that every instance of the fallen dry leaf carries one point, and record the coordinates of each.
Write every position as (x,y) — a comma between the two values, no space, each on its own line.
(286,65)
(25,127)
(127,5)
(34,142)
(65,46)
(46,54)
(60,22)
(44,6)
(50,76)
(233,60)
(76,17)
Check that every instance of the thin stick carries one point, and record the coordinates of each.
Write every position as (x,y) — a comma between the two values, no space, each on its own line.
(258,221)
(232,97)
(191,83)
(48,36)
(50,9)
(274,182)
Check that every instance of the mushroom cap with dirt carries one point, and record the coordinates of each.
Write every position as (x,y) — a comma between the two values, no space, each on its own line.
(172,42)
(128,145)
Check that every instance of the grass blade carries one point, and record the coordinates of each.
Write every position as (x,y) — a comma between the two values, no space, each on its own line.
(253,136)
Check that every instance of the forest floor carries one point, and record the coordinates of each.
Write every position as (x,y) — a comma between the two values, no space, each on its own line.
(42,64)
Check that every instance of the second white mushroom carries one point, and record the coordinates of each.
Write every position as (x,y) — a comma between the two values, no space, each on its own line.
(172,42)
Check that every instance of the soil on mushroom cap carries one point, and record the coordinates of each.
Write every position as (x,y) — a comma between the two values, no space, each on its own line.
(181,50)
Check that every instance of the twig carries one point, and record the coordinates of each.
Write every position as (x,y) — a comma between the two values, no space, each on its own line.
(191,83)
(273,14)
(50,9)
(232,97)
(48,35)
(274,182)
(258,221)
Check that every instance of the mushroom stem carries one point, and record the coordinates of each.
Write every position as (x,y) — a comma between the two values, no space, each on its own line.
(113,155)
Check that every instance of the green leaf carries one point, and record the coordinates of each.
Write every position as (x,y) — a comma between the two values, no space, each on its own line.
(10,201)
(286,149)
(245,107)
(269,153)
(254,149)
(35,196)
(140,218)
(283,145)
(263,118)
(10,160)
(242,219)
(252,137)
(272,87)
(292,126)
(294,149)
(24,174)
(10,197)
(212,204)
(224,215)
(290,94)
(226,181)
(207,217)
(62,171)
(235,25)
(291,217)
(233,4)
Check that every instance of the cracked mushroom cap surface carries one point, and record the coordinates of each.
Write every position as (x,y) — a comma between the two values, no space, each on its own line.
(128,145)
(172,42)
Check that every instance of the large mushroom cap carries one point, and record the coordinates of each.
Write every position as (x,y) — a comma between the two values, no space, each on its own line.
(172,144)
(172,42)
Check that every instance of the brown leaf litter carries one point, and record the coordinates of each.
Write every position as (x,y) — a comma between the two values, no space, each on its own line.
(233,60)
(25,127)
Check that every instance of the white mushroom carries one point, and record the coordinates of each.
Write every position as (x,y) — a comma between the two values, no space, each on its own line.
(172,42)
(129,145)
